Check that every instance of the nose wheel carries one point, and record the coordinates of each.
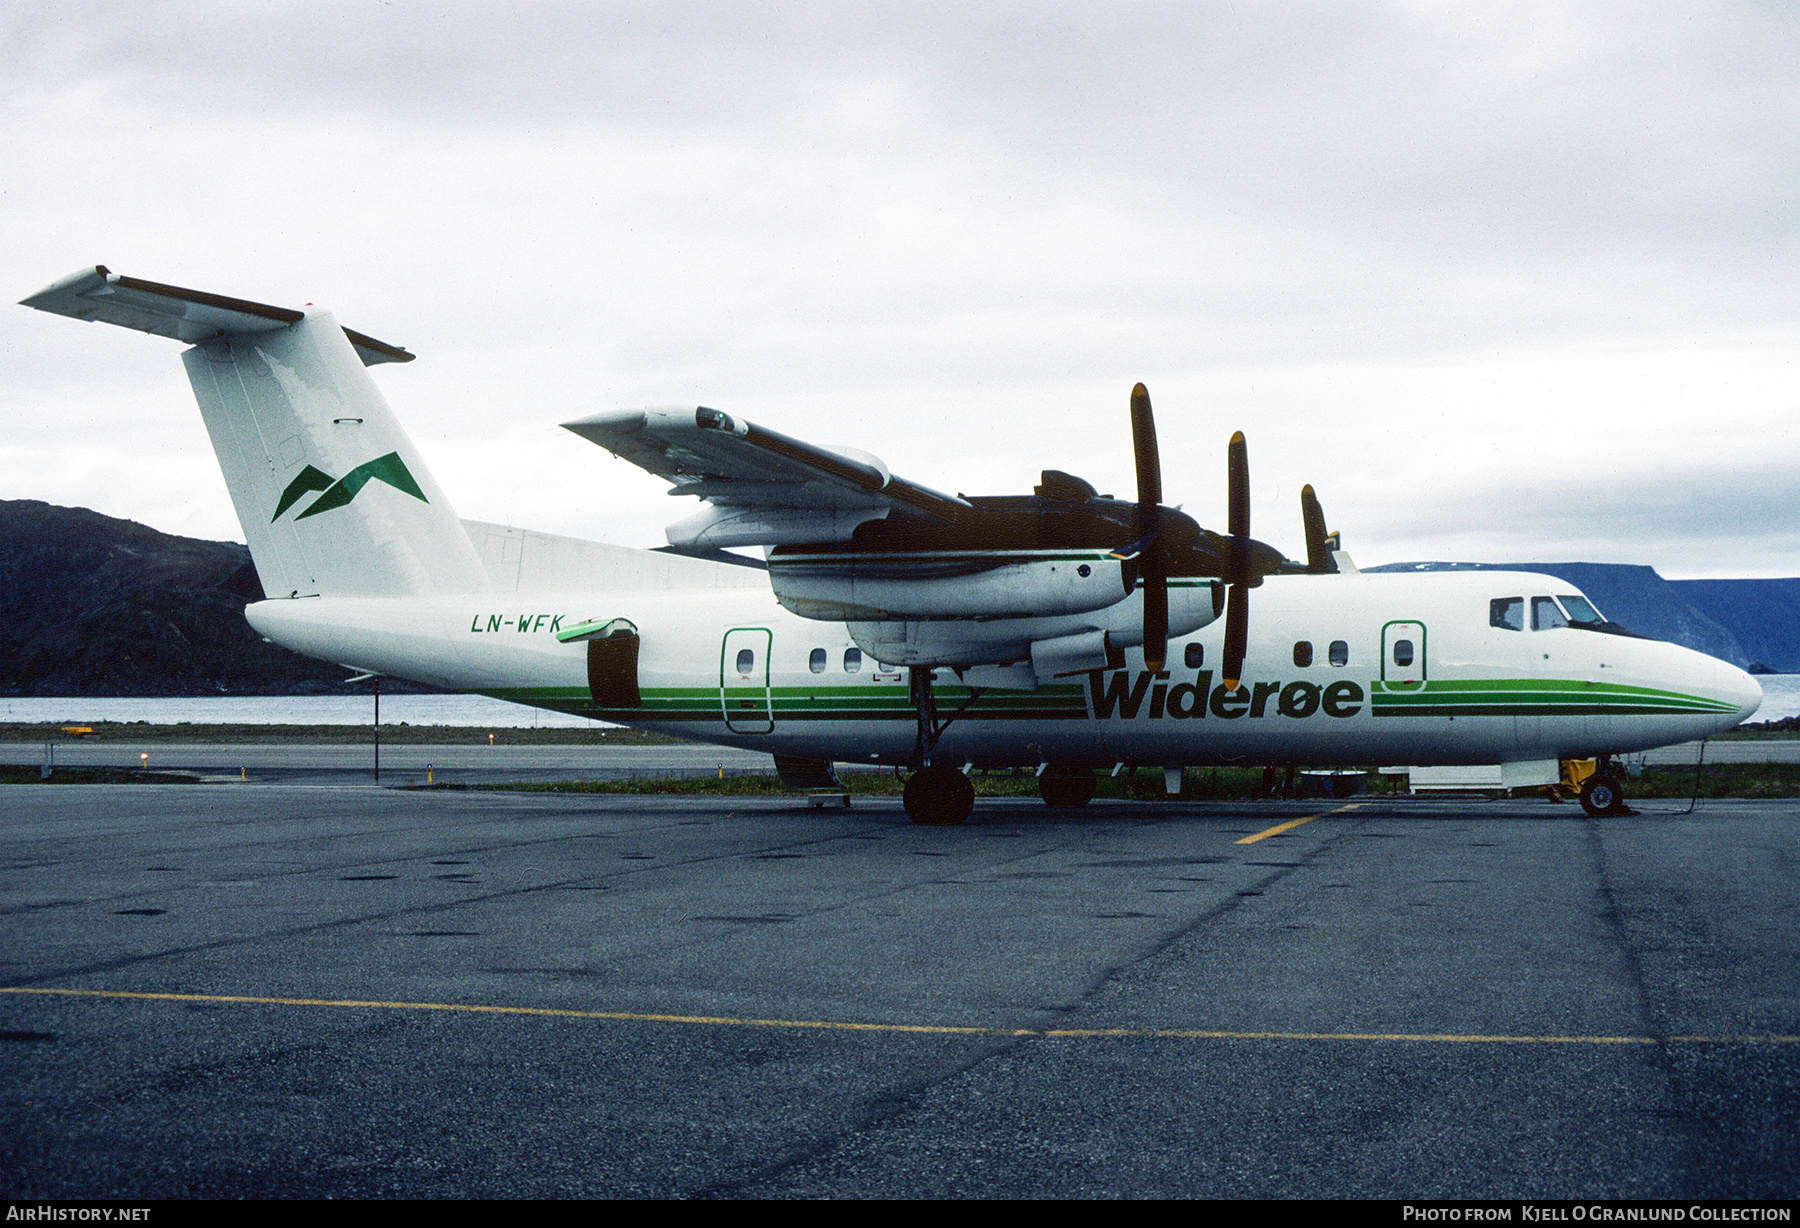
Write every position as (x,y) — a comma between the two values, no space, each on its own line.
(938,797)
(1603,793)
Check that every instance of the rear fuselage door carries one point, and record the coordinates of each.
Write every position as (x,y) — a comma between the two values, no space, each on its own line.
(1403,654)
(744,681)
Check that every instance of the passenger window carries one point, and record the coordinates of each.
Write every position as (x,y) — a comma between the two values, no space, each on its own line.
(1546,614)
(1507,613)
(1194,656)
(1340,653)
(1303,653)
(1403,652)
(817,661)
(852,660)
(746,660)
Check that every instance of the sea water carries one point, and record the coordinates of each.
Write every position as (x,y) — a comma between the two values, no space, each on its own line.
(468,710)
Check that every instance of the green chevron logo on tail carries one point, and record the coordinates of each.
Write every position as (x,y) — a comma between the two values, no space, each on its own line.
(390,469)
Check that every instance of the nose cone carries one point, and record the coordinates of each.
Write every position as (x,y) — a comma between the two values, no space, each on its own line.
(1738,688)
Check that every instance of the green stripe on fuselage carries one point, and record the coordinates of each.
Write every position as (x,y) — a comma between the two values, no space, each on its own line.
(826,703)
(1533,697)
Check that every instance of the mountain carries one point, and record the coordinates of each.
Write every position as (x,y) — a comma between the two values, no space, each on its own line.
(1764,615)
(1747,622)
(90,605)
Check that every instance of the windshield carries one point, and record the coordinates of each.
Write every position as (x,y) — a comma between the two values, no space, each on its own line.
(1581,611)
(1545,614)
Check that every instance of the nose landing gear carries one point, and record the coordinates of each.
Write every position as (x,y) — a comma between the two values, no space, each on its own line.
(1603,793)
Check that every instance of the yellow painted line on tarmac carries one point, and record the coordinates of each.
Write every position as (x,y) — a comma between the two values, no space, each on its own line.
(552,1012)
(1291,824)
(913,1028)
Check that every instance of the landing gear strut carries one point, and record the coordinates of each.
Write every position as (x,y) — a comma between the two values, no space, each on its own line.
(935,795)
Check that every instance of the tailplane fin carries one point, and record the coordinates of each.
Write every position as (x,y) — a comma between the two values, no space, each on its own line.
(332,496)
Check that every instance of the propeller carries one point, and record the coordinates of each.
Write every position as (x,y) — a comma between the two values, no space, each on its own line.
(1318,543)
(1160,534)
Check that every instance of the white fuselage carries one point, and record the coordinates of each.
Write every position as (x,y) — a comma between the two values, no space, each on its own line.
(376,572)
(1398,668)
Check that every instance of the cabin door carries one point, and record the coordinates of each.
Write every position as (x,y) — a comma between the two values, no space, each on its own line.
(744,681)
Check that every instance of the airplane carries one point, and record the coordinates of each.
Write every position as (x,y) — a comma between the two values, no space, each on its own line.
(889,623)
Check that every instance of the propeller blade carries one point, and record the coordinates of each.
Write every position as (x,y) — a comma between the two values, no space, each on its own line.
(1237,597)
(1155,571)
(1318,549)
(1237,485)
(1147,544)
(1134,547)
(1143,447)
(1237,634)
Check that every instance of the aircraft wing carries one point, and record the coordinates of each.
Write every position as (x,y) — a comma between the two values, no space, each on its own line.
(764,488)
(184,315)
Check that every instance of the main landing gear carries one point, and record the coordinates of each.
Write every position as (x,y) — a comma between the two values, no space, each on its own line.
(938,797)
(935,795)
(1065,787)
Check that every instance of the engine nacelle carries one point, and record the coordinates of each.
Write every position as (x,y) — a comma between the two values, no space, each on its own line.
(979,586)
(1053,645)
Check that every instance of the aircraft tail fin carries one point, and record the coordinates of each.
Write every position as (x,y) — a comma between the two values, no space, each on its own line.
(333,498)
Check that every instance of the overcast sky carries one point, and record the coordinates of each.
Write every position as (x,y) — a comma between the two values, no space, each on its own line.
(1502,281)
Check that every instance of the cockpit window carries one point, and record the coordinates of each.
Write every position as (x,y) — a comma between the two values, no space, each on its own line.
(1507,612)
(1580,610)
(1545,613)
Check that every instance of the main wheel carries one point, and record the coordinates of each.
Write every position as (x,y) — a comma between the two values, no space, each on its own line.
(1603,793)
(1064,786)
(938,797)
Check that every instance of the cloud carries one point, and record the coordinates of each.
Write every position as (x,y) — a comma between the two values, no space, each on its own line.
(1414,250)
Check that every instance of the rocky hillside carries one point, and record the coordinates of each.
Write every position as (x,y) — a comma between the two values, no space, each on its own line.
(1763,615)
(90,605)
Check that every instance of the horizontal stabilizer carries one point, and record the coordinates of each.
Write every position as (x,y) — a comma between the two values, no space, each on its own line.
(184,315)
